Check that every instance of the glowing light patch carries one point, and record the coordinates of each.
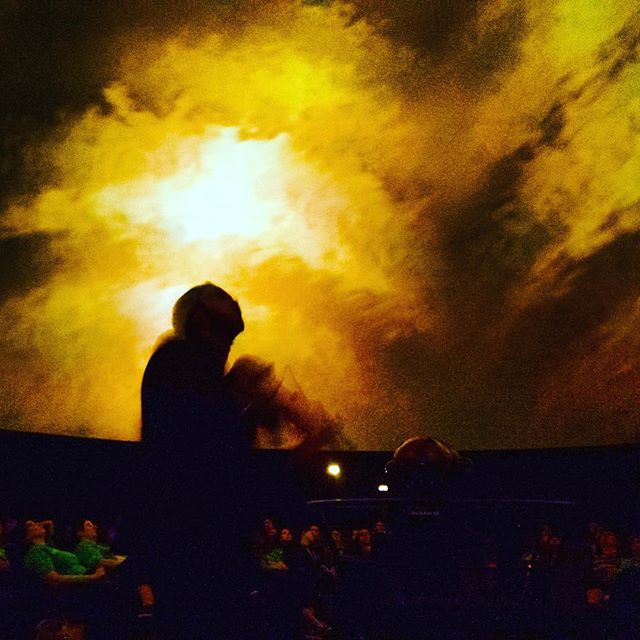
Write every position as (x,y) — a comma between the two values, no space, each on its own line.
(334,470)
(221,187)
(152,318)
(383,488)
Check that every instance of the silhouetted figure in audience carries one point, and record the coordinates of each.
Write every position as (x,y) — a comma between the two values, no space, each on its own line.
(338,542)
(266,541)
(292,551)
(196,462)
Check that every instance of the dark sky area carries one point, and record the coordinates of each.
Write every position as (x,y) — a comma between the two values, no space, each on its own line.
(428,210)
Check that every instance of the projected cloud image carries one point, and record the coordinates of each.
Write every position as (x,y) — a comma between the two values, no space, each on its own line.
(430,217)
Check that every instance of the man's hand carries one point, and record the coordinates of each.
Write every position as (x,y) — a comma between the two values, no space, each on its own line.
(99,573)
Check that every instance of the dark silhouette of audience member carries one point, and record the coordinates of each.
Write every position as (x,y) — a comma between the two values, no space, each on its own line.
(196,463)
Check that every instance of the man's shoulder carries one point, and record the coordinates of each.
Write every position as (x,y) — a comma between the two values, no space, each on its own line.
(171,348)
(171,361)
(176,356)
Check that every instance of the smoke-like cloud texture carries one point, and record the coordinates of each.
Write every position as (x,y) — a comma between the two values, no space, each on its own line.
(428,211)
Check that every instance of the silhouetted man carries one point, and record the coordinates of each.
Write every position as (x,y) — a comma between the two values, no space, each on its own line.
(182,388)
(196,467)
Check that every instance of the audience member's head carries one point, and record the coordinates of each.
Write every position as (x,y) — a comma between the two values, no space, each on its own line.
(286,535)
(269,528)
(35,532)
(87,531)
(363,540)
(311,535)
(608,543)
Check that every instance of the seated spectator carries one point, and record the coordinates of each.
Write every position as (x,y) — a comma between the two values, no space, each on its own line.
(5,565)
(545,551)
(311,543)
(274,560)
(351,548)
(266,539)
(606,562)
(322,571)
(379,538)
(605,568)
(594,531)
(338,542)
(362,543)
(362,546)
(379,528)
(292,552)
(91,554)
(633,561)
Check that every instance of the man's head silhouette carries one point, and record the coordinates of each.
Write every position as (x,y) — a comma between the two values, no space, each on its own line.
(207,313)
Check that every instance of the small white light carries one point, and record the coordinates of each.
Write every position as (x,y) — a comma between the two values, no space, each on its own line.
(334,469)
(383,487)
